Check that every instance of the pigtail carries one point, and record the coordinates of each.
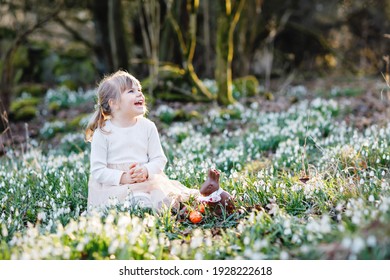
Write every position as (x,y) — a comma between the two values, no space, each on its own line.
(97,120)
(102,109)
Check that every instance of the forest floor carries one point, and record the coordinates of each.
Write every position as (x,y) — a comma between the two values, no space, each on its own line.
(367,100)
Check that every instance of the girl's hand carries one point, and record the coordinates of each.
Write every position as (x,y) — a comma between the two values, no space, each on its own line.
(127,179)
(138,173)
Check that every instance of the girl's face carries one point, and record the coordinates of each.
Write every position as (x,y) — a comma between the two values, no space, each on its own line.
(132,102)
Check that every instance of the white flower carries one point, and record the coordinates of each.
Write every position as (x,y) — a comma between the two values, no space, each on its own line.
(371,241)
(284,255)
(346,242)
(357,245)
(41,216)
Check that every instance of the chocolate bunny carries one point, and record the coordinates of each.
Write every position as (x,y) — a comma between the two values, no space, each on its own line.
(214,196)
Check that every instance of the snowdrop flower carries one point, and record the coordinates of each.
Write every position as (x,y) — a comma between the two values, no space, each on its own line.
(371,241)
(284,255)
(197,239)
(357,245)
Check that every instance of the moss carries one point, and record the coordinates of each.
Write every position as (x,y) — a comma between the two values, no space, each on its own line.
(54,106)
(25,113)
(36,90)
(24,109)
(247,86)
(21,103)
(234,114)
(183,115)
(269,96)
(70,84)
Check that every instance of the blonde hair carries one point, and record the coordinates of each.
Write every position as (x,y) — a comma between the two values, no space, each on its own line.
(109,88)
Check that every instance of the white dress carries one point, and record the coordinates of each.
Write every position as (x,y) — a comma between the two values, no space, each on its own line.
(113,150)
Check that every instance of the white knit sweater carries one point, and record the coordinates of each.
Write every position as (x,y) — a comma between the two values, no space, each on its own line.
(138,143)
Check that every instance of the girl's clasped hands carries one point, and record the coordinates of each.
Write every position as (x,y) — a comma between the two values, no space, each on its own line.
(136,174)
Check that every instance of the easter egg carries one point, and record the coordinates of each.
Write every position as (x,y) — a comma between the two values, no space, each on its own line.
(195,217)
(201,208)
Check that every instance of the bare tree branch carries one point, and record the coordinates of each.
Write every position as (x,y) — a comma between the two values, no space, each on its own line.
(6,71)
(76,35)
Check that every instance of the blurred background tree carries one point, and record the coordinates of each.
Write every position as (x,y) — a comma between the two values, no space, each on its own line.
(229,14)
(174,45)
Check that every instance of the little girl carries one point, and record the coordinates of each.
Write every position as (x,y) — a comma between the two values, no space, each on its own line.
(127,160)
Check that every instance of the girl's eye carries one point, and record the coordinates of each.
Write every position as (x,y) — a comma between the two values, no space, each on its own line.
(132,91)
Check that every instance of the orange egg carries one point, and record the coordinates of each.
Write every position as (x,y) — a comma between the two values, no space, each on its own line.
(195,217)
(201,208)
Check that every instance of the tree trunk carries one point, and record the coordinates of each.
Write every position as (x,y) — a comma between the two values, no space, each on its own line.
(5,98)
(188,44)
(110,48)
(103,47)
(117,35)
(189,67)
(226,24)
(222,71)
(250,27)
(206,37)
(150,26)
(6,80)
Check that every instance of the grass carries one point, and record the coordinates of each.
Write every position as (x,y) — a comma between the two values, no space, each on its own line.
(342,212)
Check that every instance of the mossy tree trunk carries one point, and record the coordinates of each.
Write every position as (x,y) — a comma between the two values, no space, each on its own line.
(222,70)
(227,21)
(187,44)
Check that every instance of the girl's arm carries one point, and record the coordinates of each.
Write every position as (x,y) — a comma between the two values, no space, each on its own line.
(99,170)
(156,157)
